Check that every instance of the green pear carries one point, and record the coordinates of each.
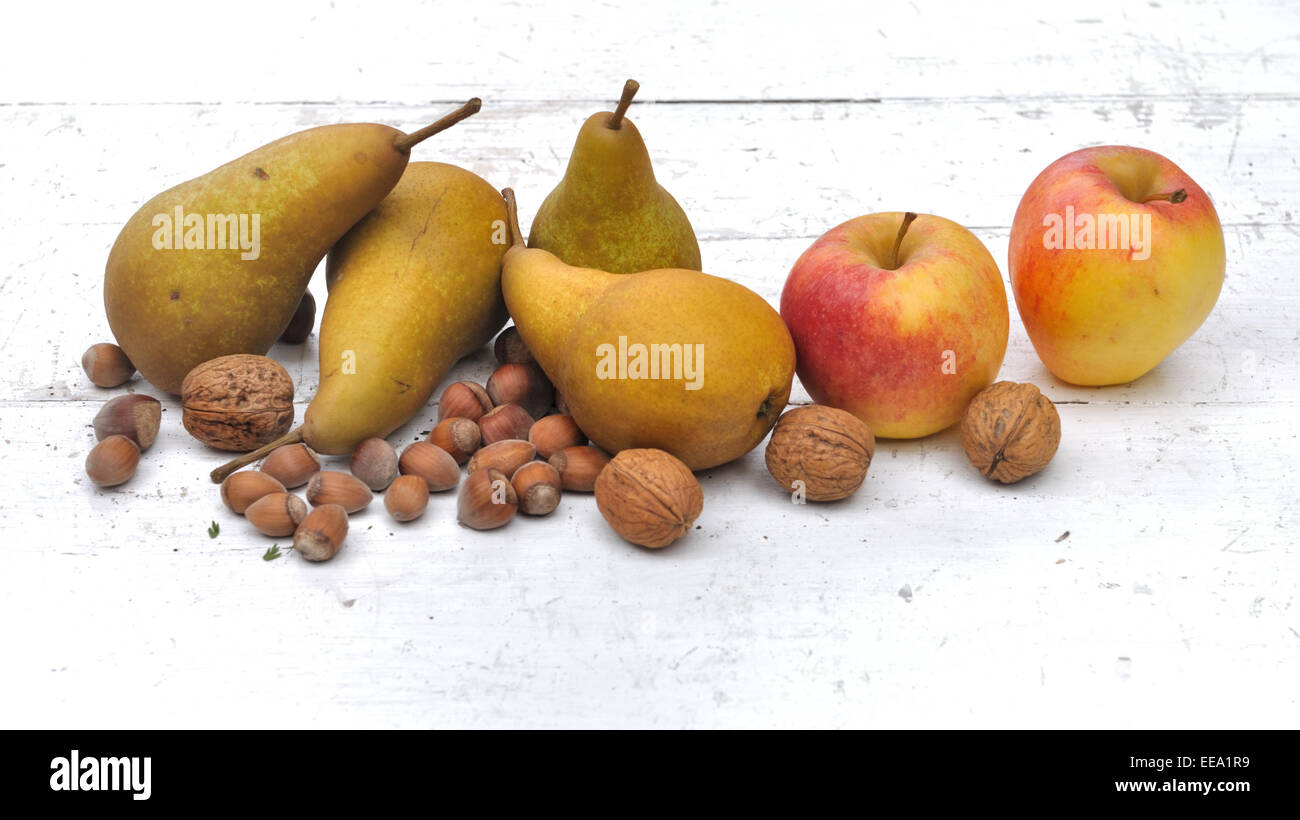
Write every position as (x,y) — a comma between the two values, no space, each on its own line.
(609,212)
(219,264)
(673,359)
(416,286)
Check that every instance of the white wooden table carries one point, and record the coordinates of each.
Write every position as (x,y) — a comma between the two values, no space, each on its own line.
(932,598)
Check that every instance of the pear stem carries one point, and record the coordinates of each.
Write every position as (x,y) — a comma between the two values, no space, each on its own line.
(512,218)
(1175,197)
(221,473)
(908,218)
(406,142)
(629,91)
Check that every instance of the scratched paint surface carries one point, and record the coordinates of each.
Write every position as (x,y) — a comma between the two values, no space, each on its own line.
(1147,578)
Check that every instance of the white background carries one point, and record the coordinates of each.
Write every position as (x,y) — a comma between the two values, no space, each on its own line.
(931,598)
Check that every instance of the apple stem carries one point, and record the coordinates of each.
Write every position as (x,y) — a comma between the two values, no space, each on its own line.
(406,142)
(223,472)
(512,218)
(629,91)
(1174,197)
(908,218)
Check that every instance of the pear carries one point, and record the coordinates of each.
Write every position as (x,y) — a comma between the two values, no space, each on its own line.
(672,359)
(219,264)
(608,212)
(416,286)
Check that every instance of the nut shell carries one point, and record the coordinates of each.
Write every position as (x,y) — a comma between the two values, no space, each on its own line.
(463,400)
(649,497)
(374,461)
(509,348)
(304,319)
(433,464)
(107,365)
(552,434)
(537,485)
(292,465)
(506,421)
(334,487)
(276,514)
(241,489)
(522,384)
(487,500)
(135,416)
(112,461)
(579,466)
(1010,431)
(826,449)
(321,534)
(506,456)
(407,498)
(237,403)
(458,436)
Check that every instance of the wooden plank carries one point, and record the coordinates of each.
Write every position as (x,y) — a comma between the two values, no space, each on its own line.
(739,170)
(349,51)
(931,597)
(1239,355)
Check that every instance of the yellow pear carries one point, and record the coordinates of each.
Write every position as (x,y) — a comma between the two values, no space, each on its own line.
(416,286)
(673,359)
(609,212)
(219,264)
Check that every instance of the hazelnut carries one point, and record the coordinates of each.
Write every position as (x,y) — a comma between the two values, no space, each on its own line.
(522,384)
(334,487)
(292,465)
(510,348)
(487,500)
(304,319)
(821,451)
(578,467)
(320,535)
(241,489)
(106,365)
(649,497)
(1010,431)
(432,464)
(506,421)
(135,416)
(276,514)
(537,486)
(238,402)
(463,400)
(112,461)
(406,498)
(507,456)
(374,461)
(553,433)
(460,437)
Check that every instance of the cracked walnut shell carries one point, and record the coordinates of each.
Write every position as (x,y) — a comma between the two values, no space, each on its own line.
(1010,431)
(826,449)
(649,497)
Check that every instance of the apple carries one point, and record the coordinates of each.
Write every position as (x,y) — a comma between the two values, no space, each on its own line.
(899,322)
(1116,258)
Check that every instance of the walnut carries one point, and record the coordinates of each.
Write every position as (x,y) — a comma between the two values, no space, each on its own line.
(649,497)
(1010,431)
(826,449)
(237,402)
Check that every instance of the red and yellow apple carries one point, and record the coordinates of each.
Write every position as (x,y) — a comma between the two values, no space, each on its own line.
(900,334)
(1116,258)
